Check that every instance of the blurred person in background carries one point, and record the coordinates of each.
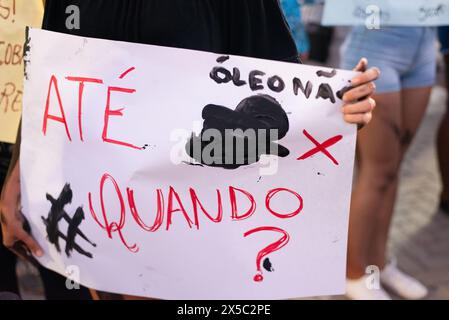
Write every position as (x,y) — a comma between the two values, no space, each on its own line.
(443,132)
(407,58)
(292,12)
(319,37)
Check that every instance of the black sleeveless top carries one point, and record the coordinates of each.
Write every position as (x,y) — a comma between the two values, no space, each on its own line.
(255,28)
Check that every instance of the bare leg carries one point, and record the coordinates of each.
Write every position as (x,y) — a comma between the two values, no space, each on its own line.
(377,253)
(443,142)
(378,151)
(414,105)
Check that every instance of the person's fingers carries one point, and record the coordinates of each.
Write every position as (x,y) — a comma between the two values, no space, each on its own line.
(7,241)
(30,242)
(20,249)
(363,106)
(359,118)
(362,65)
(359,92)
(367,76)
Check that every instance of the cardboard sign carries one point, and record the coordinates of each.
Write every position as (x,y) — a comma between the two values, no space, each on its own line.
(383,13)
(15,15)
(119,187)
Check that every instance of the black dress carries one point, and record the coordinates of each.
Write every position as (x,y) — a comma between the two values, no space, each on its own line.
(255,28)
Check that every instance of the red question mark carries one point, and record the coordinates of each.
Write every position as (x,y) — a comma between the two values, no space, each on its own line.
(268,249)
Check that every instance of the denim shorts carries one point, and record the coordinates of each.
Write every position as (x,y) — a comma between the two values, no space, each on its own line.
(406,56)
(443,35)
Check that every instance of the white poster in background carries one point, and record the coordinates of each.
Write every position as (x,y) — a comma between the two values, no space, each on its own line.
(109,186)
(381,13)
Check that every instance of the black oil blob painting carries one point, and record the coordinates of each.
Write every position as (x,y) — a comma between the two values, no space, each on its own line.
(259,115)
(58,213)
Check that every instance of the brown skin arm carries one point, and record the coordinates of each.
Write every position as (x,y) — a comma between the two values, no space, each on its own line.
(12,221)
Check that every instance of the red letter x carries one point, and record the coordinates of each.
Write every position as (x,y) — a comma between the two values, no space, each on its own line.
(320,147)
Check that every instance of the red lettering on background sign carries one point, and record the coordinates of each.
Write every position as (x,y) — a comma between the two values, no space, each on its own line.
(10,98)
(11,54)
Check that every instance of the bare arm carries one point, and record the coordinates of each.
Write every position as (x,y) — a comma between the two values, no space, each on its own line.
(12,221)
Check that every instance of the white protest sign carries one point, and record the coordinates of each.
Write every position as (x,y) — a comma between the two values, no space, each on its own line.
(105,129)
(379,13)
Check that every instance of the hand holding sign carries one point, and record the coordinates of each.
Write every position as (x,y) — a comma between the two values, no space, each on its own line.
(357,97)
(186,231)
(16,232)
